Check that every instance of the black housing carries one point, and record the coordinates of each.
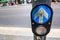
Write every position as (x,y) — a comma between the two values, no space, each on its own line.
(47,24)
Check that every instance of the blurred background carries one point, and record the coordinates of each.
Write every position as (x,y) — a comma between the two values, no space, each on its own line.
(13,2)
(15,22)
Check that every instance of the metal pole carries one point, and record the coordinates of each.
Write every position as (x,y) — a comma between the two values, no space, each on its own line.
(39,37)
(15,1)
(37,2)
(35,37)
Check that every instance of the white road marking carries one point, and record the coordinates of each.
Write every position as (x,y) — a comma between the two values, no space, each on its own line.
(26,31)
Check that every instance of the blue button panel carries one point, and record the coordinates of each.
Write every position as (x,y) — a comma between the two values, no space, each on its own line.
(41,14)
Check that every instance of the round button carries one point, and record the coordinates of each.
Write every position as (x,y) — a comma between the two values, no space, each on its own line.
(41,13)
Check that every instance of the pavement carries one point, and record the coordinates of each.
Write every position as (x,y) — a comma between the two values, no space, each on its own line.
(15,23)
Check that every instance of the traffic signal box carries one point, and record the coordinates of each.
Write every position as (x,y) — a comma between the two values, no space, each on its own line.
(41,19)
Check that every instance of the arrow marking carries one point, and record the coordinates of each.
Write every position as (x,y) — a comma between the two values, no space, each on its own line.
(41,13)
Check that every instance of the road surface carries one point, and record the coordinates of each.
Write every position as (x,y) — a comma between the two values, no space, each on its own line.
(20,15)
(15,23)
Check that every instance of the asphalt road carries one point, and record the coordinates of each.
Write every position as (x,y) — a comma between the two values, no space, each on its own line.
(20,15)
(15,15)
(7,37)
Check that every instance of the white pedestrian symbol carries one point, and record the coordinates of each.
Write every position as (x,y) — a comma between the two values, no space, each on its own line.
(41,13)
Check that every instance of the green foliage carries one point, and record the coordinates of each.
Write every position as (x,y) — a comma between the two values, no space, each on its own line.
(4,0)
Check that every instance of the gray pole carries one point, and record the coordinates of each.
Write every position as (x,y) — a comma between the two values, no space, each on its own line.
(39,37)
(15,1)
(37,2)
